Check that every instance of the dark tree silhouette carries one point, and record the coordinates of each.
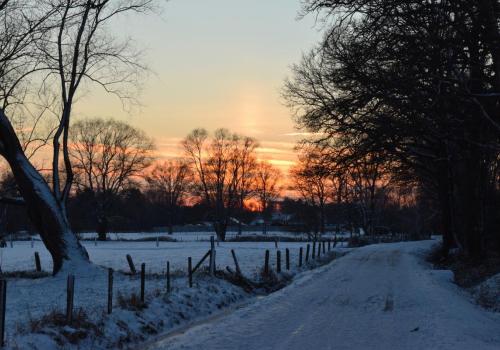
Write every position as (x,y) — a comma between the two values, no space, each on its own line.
(416,82)
(52,47)
(107,155)
(170,184)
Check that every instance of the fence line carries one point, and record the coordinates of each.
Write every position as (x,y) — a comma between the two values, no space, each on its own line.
(322,246)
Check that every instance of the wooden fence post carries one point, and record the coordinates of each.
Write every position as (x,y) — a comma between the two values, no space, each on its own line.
(287,258)
(70,294)
(319,250)
(131,264)
(314,250)
(266,263)
(324,247)
(190,273)
(38,265)
(168,276)
(278,261)
(143,281)
(3,307)
(238,271)
(300,257)
(212,256)
(275,243)
(307,252)
(329,245)
(157,241)
(110,290)
(215,260)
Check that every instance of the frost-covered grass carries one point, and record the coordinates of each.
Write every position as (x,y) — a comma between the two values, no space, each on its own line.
(30,300)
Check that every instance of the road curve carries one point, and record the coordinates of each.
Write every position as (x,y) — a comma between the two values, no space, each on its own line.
(377,297)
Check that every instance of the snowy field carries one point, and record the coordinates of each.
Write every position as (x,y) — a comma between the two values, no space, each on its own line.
(29,299)
(201,235)
(113,254)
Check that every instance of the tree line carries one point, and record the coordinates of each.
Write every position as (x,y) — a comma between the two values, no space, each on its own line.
(407,93)
(113,163)
(120,184)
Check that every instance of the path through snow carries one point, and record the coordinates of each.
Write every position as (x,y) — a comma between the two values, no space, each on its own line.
(377,297)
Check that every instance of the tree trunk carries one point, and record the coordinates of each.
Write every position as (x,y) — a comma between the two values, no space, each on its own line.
(102,227)
(322,219)
(171,221)
(43,208)
(242,211)
(220,230)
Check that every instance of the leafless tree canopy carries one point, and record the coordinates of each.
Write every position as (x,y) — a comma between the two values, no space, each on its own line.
(107,155)
(267,189)
(221,165)
(48,50)
(411,88)
(171,184)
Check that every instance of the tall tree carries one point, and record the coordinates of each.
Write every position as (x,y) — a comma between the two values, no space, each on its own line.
(217,166)
(267,189)
(247,164)
(107,156)
(171,183)
(414,81)
(310,179)
(45,43)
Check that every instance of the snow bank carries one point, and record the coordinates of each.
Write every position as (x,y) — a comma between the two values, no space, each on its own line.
(487,293)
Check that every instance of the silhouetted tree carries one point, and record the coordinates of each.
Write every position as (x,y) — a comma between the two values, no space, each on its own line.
(267,190)
(55,46)
(217,166)
(107,156)
(170,184)
(418,83)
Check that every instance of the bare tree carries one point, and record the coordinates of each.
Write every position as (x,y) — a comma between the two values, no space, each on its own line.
(310,179)
(107,156)
(171,183)
(44,43)
(368,180)
(217,168)
(247,167)
(267,189)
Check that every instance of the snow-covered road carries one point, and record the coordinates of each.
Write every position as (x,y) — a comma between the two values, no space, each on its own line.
(377,297)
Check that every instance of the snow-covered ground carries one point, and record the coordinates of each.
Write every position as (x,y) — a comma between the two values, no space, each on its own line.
(202,235)
(377,297)
(29,300)
(113,254)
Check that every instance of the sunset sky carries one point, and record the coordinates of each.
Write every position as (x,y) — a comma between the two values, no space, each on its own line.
(218,63)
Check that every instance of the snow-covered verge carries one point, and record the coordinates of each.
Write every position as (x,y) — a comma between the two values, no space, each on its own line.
(35,307)
(479,278)
(487,293)
(131,322)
